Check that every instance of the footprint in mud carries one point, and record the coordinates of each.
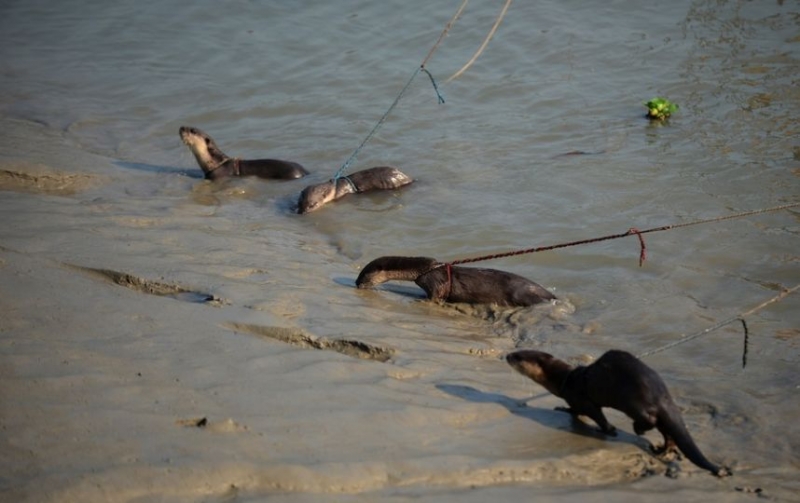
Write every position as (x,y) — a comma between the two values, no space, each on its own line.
(354,348)
(728,419)
(578,152)
(224,426)
(151,287)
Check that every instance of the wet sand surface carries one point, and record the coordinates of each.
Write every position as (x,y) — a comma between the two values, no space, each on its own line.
(165,338)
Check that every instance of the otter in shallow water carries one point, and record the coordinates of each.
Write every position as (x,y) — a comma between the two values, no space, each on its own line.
(314,197)
(215,164)
(621,381)
(453,283)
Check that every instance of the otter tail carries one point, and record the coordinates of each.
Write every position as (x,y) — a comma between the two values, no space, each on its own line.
(671,425)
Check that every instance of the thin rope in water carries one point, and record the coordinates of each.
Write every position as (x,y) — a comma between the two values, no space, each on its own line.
(349,161)
(629,232)
(740,317)
(483,45)
(421,67)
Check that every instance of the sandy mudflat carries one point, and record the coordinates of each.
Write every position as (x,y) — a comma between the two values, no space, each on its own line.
(111,394)
(117,386)
(166,339)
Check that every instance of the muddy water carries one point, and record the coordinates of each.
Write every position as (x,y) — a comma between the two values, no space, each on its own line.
(139,301)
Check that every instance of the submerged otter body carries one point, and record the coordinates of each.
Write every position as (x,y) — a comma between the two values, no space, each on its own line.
(621,381)
(314,197)
(462,284)
(215,164)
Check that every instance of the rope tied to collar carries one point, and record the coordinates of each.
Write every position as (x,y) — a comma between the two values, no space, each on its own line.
(449,268)
(224,161)
(348,180)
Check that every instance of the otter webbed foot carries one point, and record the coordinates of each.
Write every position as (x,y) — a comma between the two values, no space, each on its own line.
(724,471)
(667,452)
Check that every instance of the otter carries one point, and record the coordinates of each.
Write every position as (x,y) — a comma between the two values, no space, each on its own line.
(459,284)
(621,381)
(314,197)
(215,164)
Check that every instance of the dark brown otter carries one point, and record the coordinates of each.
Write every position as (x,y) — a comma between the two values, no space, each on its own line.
(461,284)
(314,197)
(215,164)
(621,381)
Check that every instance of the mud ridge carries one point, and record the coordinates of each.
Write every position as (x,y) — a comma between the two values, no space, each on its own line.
(349,347)
(148,286)
(46,183)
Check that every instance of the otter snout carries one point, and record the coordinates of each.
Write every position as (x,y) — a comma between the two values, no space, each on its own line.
(186,130)
(187,133)
(513,359)
(366,279)
(518,358)
(314,197)
(530,363)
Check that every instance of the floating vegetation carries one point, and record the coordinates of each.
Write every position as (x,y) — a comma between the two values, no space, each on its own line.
(660,109)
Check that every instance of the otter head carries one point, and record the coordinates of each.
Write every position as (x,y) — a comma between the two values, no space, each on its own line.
(208,155)
(314,197)
(542,367)
(385,269)
(371,276)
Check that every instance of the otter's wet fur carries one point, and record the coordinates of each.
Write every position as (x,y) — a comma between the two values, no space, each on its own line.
(620,381)
(216,164)
(465,284)
(316,196)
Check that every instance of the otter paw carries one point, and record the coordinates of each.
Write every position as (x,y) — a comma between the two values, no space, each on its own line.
(666,452)
(724,471)
(609,430)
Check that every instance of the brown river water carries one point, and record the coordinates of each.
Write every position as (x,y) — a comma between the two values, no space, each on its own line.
(241,364)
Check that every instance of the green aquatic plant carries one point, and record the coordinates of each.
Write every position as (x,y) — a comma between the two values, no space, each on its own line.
(660,108)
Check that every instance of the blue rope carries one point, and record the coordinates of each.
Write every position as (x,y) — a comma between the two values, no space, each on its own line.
(343,169)
(435,87)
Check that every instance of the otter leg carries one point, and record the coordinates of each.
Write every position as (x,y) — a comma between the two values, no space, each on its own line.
(668,451)
(600,418)
(640,426)
(594,413)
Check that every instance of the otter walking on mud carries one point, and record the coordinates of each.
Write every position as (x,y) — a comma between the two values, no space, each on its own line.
(314,197)
(621,381)
(215,164)
(455,284)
